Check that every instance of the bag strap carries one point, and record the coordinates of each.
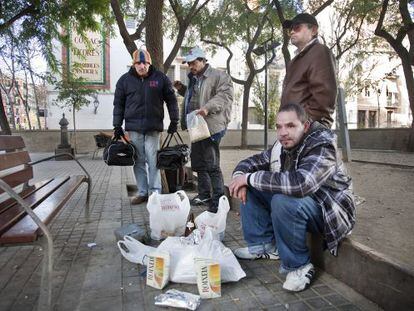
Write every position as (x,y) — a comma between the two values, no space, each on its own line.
(123,137)
(168,139)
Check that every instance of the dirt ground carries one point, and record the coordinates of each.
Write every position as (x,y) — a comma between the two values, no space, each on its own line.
(385,220)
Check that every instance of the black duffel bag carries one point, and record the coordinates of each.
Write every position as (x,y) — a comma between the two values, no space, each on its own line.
(172,157)
(119,152)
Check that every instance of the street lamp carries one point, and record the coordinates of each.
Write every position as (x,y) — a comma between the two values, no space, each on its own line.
(260,51)
(95,103)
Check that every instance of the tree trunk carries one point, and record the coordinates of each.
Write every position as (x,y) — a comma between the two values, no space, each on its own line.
(245,113)
(409,82)
(4,124)
(154,32)
(75,142)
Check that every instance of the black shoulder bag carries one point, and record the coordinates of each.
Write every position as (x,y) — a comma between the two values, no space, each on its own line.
(173,157)
(119,152)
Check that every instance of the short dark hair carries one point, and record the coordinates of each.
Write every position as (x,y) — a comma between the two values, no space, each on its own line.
(300,112)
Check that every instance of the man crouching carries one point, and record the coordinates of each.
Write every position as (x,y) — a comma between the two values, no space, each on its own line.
(284,195)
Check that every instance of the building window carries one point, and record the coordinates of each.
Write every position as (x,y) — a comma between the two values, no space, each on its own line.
(361,118)
(367,92)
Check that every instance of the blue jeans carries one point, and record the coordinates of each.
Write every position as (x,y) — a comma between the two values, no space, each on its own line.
(146,146)
(269,219)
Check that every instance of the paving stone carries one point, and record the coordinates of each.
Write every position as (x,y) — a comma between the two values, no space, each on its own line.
(336,299)
(349,308)
(267,299)
(317,303)
(298,306)
(322,289)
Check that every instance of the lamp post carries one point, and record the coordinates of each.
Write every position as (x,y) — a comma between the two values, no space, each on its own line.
(260,51)
(95,103)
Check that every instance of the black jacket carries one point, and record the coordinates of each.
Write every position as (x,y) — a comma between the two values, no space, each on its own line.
(139,101)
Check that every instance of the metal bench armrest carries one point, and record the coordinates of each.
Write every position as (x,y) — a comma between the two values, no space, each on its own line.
(60,155)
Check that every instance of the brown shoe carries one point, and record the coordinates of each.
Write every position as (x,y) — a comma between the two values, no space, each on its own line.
(139,199)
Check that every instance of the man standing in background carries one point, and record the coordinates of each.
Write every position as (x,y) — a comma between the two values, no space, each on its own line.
(139,100)
(210,93)
(310,76)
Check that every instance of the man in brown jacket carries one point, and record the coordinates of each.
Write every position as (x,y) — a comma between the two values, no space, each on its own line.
(310,76)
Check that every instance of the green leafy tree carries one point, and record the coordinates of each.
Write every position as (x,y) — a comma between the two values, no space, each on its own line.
(73,94)
(44,22)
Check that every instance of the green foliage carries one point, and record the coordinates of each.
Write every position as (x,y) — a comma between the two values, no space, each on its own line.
(273,99)
(45,20)
(73,93)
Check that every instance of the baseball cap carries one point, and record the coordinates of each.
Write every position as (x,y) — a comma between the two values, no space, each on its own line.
(193,54)
(141,56)
(302,18)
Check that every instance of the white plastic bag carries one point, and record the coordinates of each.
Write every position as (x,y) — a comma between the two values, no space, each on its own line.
(216,221)
(182,254)
(168,214)
(134,251)
(182,268)
(197,127)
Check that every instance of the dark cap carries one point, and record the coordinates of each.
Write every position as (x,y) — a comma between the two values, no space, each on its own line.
(302,18)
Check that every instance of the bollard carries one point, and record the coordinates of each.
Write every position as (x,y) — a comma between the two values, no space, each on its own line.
(64,146)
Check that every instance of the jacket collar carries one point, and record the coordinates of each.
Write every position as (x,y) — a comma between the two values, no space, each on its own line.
(306,48)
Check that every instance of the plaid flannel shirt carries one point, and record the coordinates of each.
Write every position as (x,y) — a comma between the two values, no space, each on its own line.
(317,173)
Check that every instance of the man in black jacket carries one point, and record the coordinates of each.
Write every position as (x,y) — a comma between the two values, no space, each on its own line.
(139,101)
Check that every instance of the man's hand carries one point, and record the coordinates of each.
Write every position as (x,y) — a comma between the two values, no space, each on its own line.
(178,85)
(238,187)
(118,131)
(172,128)
(202,112)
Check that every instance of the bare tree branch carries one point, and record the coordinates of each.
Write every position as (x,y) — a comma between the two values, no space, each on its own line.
(30,10)
(322,7)
(138,33)
(129,43)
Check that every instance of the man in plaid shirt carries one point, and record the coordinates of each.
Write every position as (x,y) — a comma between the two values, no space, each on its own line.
(284,195)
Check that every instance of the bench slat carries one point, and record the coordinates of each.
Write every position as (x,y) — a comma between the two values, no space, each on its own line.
(16,212)
(26,230)
(24,194)
(18,178)
(12,159)
(8,142)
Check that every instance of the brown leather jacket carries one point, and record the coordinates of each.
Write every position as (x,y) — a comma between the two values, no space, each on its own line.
(311,81)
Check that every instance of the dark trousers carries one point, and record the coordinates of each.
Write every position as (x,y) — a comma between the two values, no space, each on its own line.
(205,160)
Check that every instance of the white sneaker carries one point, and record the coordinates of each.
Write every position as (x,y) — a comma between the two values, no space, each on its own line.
(243,253)
(298,280)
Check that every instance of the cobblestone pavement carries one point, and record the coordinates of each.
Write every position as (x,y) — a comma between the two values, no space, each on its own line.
(99,278)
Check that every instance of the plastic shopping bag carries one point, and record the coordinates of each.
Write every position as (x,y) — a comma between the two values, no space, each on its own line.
(197,127)
(182,255)
(216,221)
(134,251)
(182,266)
(168,214)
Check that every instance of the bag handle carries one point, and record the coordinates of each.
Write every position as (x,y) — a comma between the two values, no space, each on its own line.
(123,137)
(168,139)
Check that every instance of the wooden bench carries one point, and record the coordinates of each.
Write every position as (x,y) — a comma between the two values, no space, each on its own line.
(26,209)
